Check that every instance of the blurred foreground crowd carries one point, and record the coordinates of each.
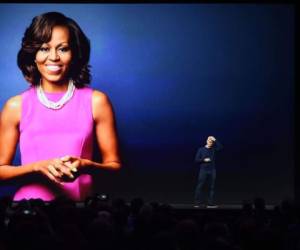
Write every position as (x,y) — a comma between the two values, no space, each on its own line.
(116,224)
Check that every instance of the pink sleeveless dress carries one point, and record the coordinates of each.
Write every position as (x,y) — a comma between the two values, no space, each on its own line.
(46,133)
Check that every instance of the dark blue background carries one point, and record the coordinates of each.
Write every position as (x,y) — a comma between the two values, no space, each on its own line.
(177,73)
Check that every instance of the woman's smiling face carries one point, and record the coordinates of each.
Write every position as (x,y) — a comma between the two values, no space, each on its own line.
(53,59)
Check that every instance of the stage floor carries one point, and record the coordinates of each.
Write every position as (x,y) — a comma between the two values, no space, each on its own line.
(186,206)
(219,206)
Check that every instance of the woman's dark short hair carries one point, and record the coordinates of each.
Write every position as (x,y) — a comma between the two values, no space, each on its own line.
(39,32)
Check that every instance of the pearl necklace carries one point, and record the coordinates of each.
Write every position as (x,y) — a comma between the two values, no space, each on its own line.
(59,104)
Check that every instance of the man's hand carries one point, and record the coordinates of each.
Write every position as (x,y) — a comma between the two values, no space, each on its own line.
(207,159)
(212,138)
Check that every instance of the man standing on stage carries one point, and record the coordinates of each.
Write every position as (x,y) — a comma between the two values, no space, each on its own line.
(205,157)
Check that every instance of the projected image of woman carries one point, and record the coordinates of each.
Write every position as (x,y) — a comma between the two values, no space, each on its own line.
(56,119)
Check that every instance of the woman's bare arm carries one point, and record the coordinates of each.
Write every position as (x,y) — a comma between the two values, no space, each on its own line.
(105,128)
(9,136)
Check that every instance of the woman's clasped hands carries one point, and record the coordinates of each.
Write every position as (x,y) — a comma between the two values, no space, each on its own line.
(59,170)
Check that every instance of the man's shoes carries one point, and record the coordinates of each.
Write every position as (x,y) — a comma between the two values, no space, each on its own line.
(211,206)
(199,205)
